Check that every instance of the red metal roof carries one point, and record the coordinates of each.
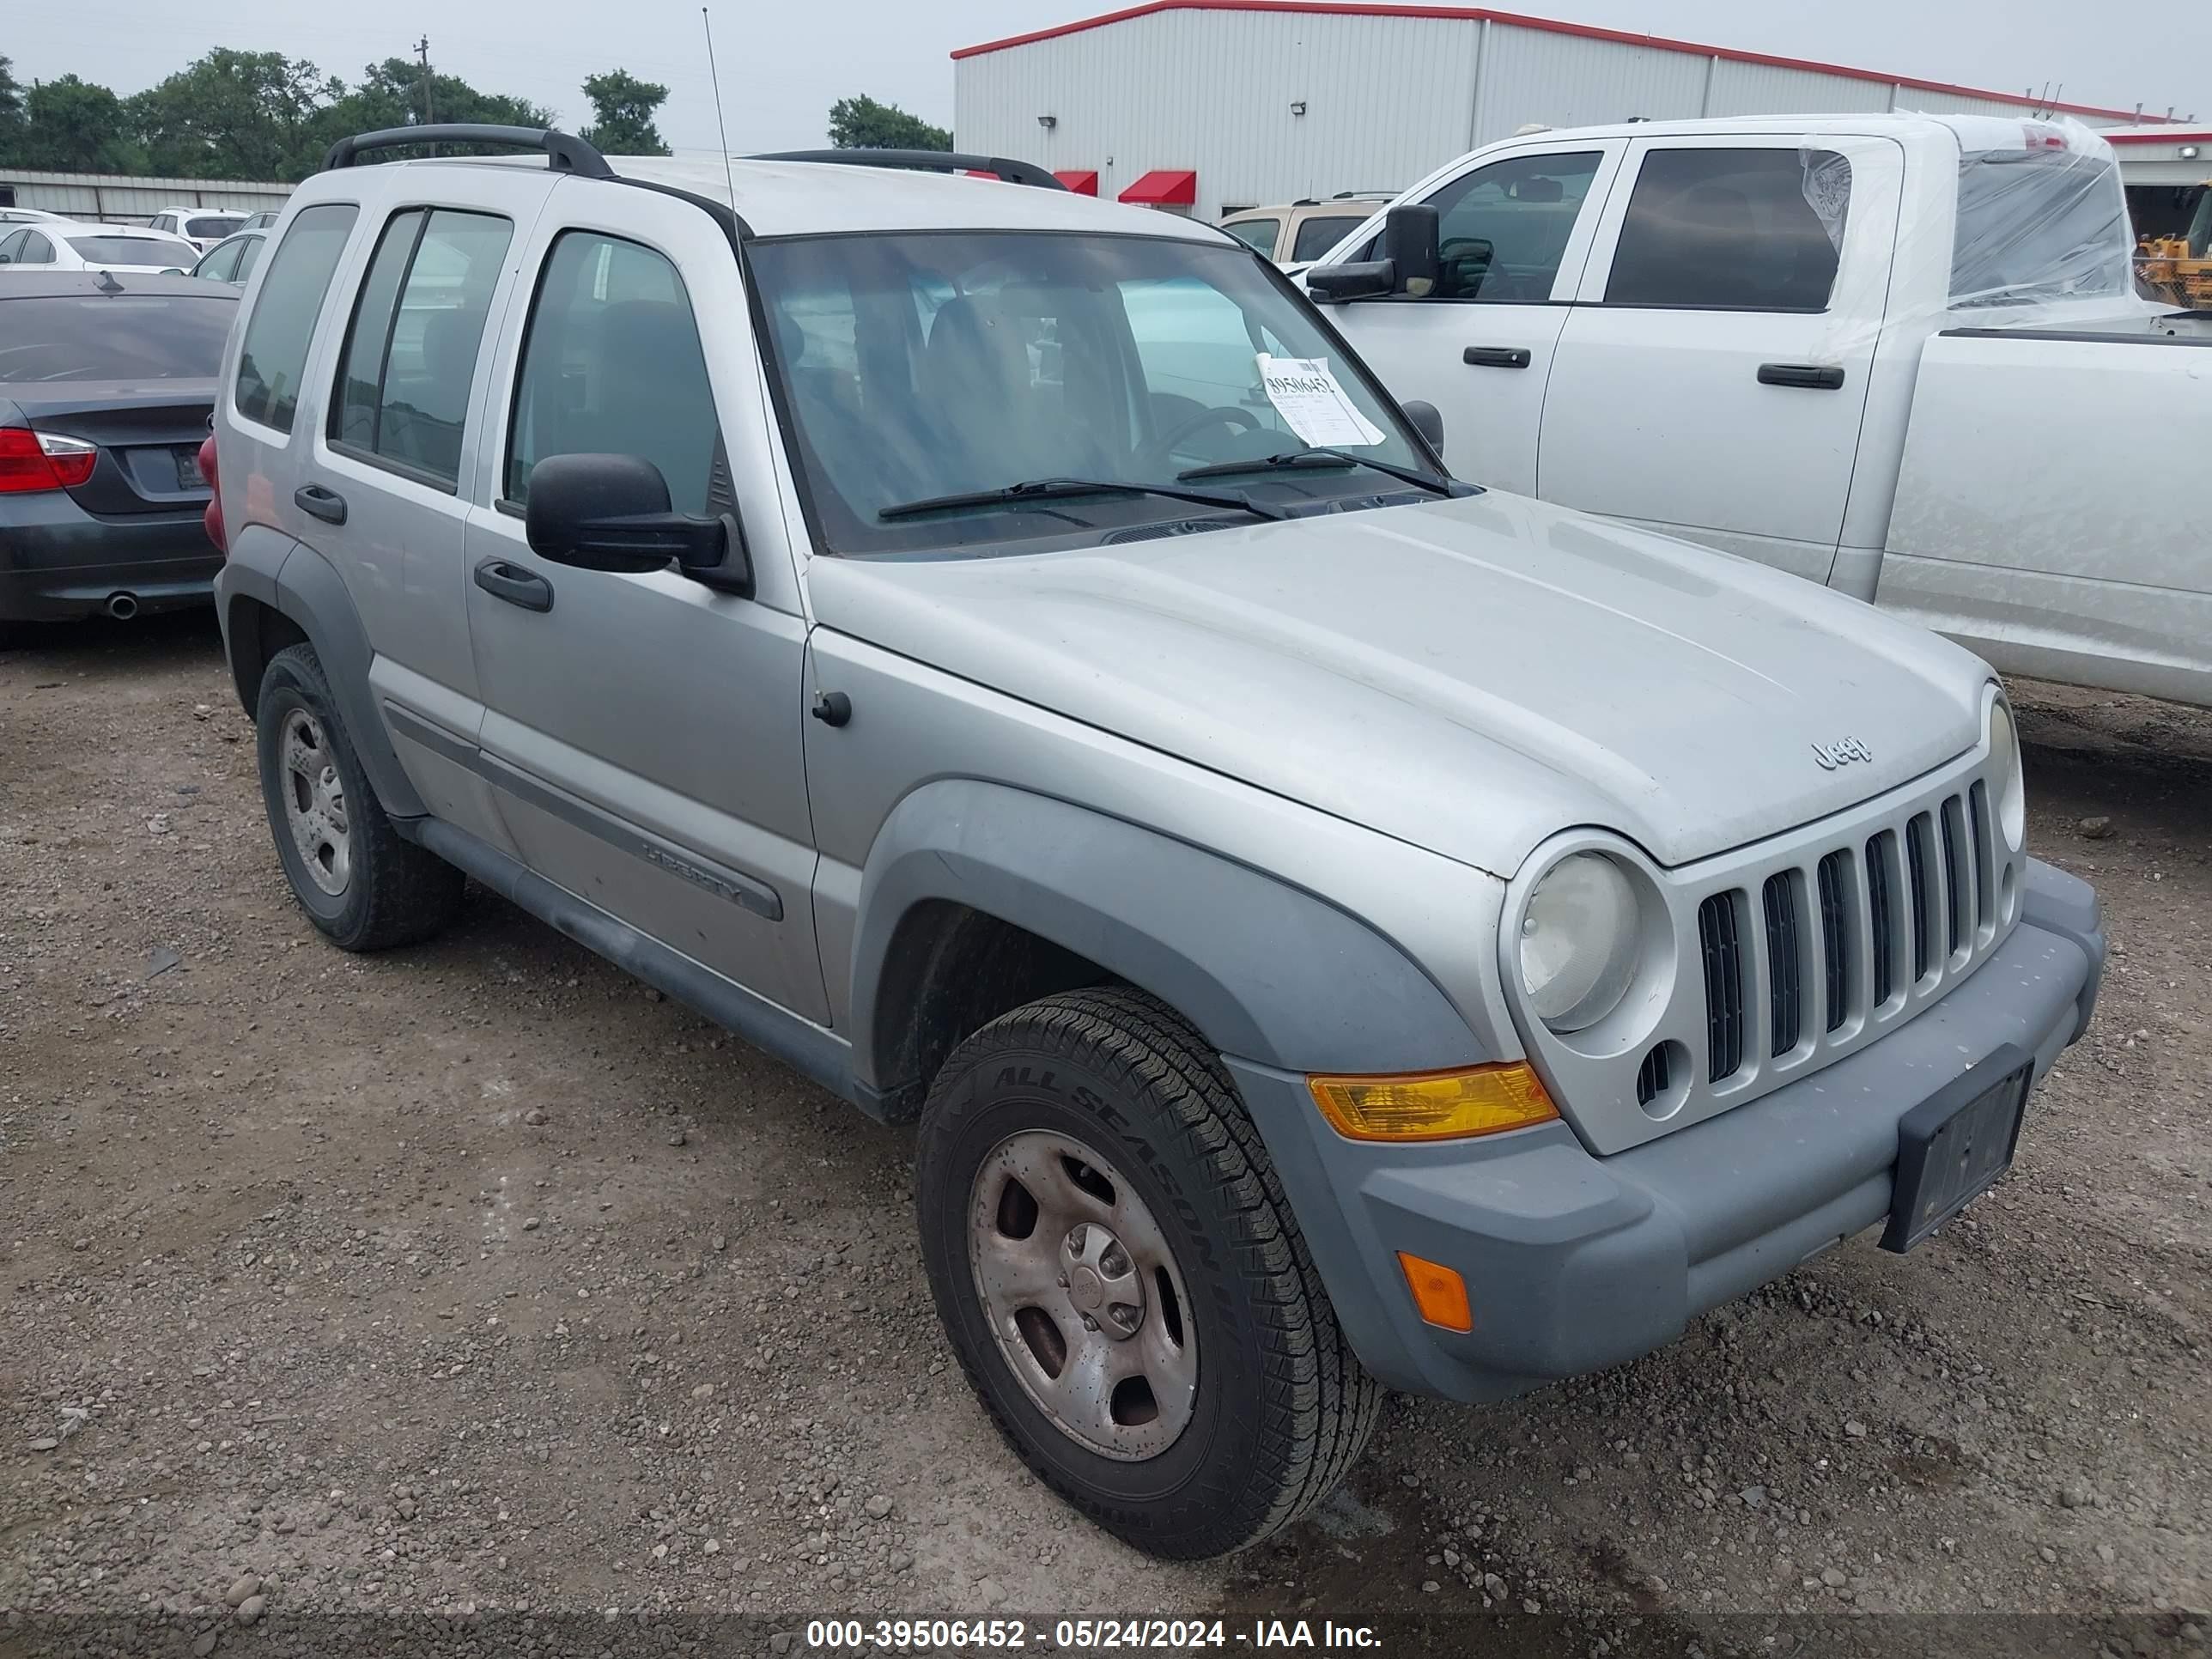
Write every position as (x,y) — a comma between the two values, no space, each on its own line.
(1585,31)
(2174,135)
(1082,181)
(1163,187)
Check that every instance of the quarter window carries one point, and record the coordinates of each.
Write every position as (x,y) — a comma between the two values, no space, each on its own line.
(612,364)
(1733,230)
(1258,235)
(411,349)
(1503,229)
(274,353)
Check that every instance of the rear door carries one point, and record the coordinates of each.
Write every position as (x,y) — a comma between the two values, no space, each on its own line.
(643,731)
(386,494)
(1712,373)
(1514,231)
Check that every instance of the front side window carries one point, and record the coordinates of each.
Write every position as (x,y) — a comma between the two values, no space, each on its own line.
(1258,235)
(1319,235)
(11,248)
(612,364)
(1503,229)
(1733,229)
(410,354)
(274,353)
(219,265)
(917,366)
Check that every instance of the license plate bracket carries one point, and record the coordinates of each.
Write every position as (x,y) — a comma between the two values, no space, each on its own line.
(189,475)
(1952,1147)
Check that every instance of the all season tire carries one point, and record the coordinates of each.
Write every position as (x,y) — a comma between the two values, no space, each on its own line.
(1091,1192)
(362,884)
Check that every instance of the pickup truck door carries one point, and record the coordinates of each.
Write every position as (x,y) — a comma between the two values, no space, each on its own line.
(1514,230)
(1713,370)
(641,732)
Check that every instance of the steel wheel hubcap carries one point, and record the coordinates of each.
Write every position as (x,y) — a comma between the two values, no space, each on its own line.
(1082,1295)
(315,803)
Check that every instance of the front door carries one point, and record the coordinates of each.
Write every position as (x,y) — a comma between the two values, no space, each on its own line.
(642,732)
(1513,231)
(1712,373)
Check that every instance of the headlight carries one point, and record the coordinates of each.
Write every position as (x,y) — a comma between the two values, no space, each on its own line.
(2007,791)
(1578,942)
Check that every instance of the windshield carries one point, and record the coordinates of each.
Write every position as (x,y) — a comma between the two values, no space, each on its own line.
(131,250)
(931,364)
(2040,225)
(122,336)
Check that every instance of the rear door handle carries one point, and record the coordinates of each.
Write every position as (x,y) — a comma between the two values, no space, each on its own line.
(1815,376)
(514,584)
(1496,356)
(324,504)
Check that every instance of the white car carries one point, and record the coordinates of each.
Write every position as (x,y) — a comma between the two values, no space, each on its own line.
(23,215)
(202,227)
(70,245)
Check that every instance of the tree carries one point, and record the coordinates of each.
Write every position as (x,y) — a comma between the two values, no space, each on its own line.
(861,123)
(625,107)
(233,114)
(11,112)
(390,95)
(72,126)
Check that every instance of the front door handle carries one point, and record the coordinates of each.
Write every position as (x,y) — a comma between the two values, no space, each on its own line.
(324,504)
(1496,356)
(1813,376)
(510,583)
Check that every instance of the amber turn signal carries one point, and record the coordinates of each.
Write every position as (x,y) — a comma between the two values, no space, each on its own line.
(1439,1291)
(1479,1100)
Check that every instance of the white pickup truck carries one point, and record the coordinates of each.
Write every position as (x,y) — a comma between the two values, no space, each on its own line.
(1899,354)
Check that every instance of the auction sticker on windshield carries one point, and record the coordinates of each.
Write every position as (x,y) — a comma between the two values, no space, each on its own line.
(1311,403)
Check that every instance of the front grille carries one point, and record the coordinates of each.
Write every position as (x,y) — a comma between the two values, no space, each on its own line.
(1845,932)
(1724,988)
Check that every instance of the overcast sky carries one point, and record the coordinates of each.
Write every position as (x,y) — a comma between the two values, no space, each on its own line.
(782,65)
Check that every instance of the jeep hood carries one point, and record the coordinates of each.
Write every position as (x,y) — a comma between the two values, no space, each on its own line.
(1469,676)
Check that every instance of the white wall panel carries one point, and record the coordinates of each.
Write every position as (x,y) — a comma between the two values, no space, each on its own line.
(1571,80)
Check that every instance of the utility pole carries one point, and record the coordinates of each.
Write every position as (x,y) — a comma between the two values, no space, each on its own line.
(429,110)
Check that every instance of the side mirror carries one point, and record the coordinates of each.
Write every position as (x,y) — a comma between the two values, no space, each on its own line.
(1364,279)
(1410,232)
(1427,420)
(7,258)
(611,513)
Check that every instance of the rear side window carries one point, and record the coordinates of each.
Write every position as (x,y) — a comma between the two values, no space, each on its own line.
(37,250)
(612,364)
(118,336)
(410,353)
(1258,235)
(1317,236)
(249,255)
(1733,230)
(274,353)
(2040,225)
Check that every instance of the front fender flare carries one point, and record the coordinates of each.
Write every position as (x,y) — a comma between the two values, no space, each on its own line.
(1266,971)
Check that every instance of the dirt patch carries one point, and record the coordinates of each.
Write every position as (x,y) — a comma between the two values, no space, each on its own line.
(477,1277)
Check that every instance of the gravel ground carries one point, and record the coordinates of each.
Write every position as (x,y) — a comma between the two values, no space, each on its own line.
(476,1280)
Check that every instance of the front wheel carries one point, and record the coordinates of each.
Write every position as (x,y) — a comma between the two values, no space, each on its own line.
(1123,1281)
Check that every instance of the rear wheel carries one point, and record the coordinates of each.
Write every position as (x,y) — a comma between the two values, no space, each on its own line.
(366,886)
(1123,1281)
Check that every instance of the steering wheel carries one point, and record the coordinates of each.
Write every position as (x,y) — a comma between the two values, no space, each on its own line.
(1163,446)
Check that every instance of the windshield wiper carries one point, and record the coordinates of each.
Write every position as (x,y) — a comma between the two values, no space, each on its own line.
(1295,458)
(1045,490)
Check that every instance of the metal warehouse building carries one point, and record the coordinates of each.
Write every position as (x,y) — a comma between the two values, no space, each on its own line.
(113,196)
(1207,105)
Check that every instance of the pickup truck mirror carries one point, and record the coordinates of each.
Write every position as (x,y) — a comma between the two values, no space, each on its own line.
(1426,419)
(1363,279)
(611,513)
(1409,243)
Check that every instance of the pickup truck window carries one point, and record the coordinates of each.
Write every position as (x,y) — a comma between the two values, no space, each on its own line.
(2040,225)
(1318,234)
(612,364)
(1503,228)
(916,366)
(1258,235)
(1733,230)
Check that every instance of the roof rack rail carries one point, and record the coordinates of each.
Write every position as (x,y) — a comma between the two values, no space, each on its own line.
(926,161)
(564,152)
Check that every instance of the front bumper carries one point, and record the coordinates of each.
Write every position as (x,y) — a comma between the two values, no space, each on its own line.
(1574,1262)
(58,563)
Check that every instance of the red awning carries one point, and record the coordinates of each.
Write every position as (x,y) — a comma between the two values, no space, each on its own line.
(1163,187)
(1083,183)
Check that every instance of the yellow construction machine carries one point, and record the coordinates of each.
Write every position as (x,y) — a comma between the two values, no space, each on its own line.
(2179,267)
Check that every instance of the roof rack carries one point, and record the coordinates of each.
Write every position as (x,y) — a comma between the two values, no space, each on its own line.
(564,152)
(926,161)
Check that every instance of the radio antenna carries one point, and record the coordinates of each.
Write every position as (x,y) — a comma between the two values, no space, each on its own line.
(721,132)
